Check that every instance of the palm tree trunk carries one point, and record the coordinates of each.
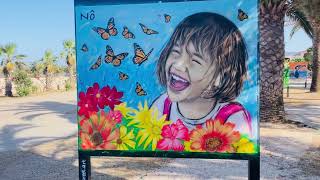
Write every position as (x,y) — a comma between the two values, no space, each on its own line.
(48,81)
(315,83)
(8,86)
(71,76)
(272,61)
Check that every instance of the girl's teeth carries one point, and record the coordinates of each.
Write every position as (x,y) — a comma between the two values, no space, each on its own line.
(178,78)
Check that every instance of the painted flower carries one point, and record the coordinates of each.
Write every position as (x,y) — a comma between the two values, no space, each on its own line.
(125,139)
(115,116)
(125,111)
(150,130)
(111,97)
(98,132)
(215,137)
(86,105)
(244,145)
(142,115)
(96,95)
(173,136)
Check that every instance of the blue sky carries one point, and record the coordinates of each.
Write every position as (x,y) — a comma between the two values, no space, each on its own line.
(37,25)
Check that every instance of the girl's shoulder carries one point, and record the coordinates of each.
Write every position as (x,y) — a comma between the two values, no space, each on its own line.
(159,102)
(236,113)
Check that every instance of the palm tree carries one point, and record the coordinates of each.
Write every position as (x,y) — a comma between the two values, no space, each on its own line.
(49,67)
(311,10)
(272,15)
(8,61)
(69,55)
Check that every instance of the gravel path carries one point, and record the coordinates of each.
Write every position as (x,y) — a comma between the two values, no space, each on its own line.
(38,141)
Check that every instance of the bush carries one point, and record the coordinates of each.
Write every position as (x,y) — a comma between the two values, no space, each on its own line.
(68,85)
(23,83)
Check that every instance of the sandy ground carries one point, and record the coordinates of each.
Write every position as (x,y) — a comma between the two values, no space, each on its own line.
(38,141)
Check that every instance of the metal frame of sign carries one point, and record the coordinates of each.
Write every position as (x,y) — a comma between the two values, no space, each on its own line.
(84,155)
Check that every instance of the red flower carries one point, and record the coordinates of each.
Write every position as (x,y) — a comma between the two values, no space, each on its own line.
(173,134)
(215,137)
(98,132)
(86,105)
(96,95)
(111,97)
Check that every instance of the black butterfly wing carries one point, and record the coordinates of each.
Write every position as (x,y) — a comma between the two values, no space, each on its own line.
(109,54)
(97,64)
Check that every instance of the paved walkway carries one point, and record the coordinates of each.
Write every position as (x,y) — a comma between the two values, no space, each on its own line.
(303,106)
(38,141)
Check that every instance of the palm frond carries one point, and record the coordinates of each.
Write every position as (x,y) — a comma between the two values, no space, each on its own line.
(300,20)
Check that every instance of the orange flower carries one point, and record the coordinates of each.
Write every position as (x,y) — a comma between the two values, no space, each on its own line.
(98,132)
(215,137)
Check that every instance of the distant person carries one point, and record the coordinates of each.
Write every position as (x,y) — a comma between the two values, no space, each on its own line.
(296,72)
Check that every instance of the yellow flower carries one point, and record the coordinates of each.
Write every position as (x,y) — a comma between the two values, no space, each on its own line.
(125,111)
(142,116)
(150,130)
(125,139)
(244,145)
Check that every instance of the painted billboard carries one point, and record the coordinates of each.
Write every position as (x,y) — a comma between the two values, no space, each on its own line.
(168,76)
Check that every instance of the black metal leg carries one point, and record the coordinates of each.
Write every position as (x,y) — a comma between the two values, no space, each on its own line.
(254,169)
(84,167)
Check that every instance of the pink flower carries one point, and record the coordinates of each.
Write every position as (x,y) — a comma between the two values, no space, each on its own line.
(115,116)
(172,135)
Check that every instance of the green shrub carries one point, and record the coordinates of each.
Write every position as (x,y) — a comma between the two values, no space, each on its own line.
(68,85)
(23,83)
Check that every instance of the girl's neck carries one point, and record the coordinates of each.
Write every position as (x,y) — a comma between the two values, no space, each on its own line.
(197,108)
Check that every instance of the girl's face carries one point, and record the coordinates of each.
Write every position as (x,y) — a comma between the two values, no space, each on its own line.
(188,73)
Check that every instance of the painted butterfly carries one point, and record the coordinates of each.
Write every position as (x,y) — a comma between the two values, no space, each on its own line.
(84,48)
(123,76)
(127,34)
(139,55)
(167,18)
(106,33)
(97,64)
(114,59)
(147,30)
(139,90)
(242,15)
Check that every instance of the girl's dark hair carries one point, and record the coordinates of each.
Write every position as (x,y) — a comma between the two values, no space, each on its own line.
(218,39)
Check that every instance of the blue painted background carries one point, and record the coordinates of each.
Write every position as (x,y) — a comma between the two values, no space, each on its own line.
(151,15)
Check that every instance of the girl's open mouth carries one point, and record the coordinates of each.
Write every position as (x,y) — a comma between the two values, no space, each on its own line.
(178,83)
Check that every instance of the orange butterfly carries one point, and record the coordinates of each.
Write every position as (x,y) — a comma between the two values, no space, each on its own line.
(97,64)
(167,18)
(114,59)
(106,33)
(242,15)
(127,34)
(139,90)
(147,30)
(123,76)
(140,56)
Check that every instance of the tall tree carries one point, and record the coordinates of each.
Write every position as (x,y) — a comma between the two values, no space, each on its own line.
(272,14)
(49,67)
(311,9)
(69,55)
(8,61)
